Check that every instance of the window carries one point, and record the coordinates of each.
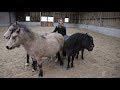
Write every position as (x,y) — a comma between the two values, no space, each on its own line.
(27,18)
(43,18)
(66,19)
(47,19)
(50,19)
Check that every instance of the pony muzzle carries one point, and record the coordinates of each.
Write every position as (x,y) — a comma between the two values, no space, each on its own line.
(8,47)
(91,48)
(7,37)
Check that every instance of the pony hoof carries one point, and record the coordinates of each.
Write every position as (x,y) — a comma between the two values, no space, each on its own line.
(67,68)
(26,64)
(40,75)
(76,57)
(82,58)
(51,59)
(56,60)
(33,70)
(72,66)
(61,63)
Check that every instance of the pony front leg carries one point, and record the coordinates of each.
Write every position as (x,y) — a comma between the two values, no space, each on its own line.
(34,64)
(77,55)
(82,54)
(56,58)
(27,64)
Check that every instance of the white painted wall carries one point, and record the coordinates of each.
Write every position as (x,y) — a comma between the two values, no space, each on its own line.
(4,19)
(104,30)
(32,23)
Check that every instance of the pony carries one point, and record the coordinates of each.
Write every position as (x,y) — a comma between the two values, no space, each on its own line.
(75,43)
(12,28)
(36,45)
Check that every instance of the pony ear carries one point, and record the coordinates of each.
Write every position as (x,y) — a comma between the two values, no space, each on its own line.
(43,36)
(18,30)
(10,24)
(84,35)
(16,22)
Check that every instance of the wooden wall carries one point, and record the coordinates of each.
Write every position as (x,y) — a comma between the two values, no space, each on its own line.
(106,19)
(36,16)
(47,24)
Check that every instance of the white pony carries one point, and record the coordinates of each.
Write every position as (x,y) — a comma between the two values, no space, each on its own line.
(36,45)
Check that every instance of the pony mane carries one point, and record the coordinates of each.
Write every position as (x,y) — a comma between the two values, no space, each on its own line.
(26,29)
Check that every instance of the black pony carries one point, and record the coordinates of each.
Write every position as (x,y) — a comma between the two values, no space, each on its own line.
(75,43)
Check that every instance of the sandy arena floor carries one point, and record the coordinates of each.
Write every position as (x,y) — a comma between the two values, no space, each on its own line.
(102,62)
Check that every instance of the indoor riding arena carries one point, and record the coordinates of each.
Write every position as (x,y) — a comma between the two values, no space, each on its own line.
(102,62)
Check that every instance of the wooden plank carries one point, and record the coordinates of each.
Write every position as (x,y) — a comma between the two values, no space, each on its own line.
(37,16)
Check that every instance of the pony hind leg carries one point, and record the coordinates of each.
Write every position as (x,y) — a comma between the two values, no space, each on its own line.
(41,70)
(68,66)
(59,58)
(64,53)
(34,64)
(72,61)
(40,61)
(77,55)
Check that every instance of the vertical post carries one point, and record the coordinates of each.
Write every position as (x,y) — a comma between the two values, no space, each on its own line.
(86,20)
(79,18)
(89,18)
(40,18)
(95,19)
(9,18)
(100,23)
(53,18)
